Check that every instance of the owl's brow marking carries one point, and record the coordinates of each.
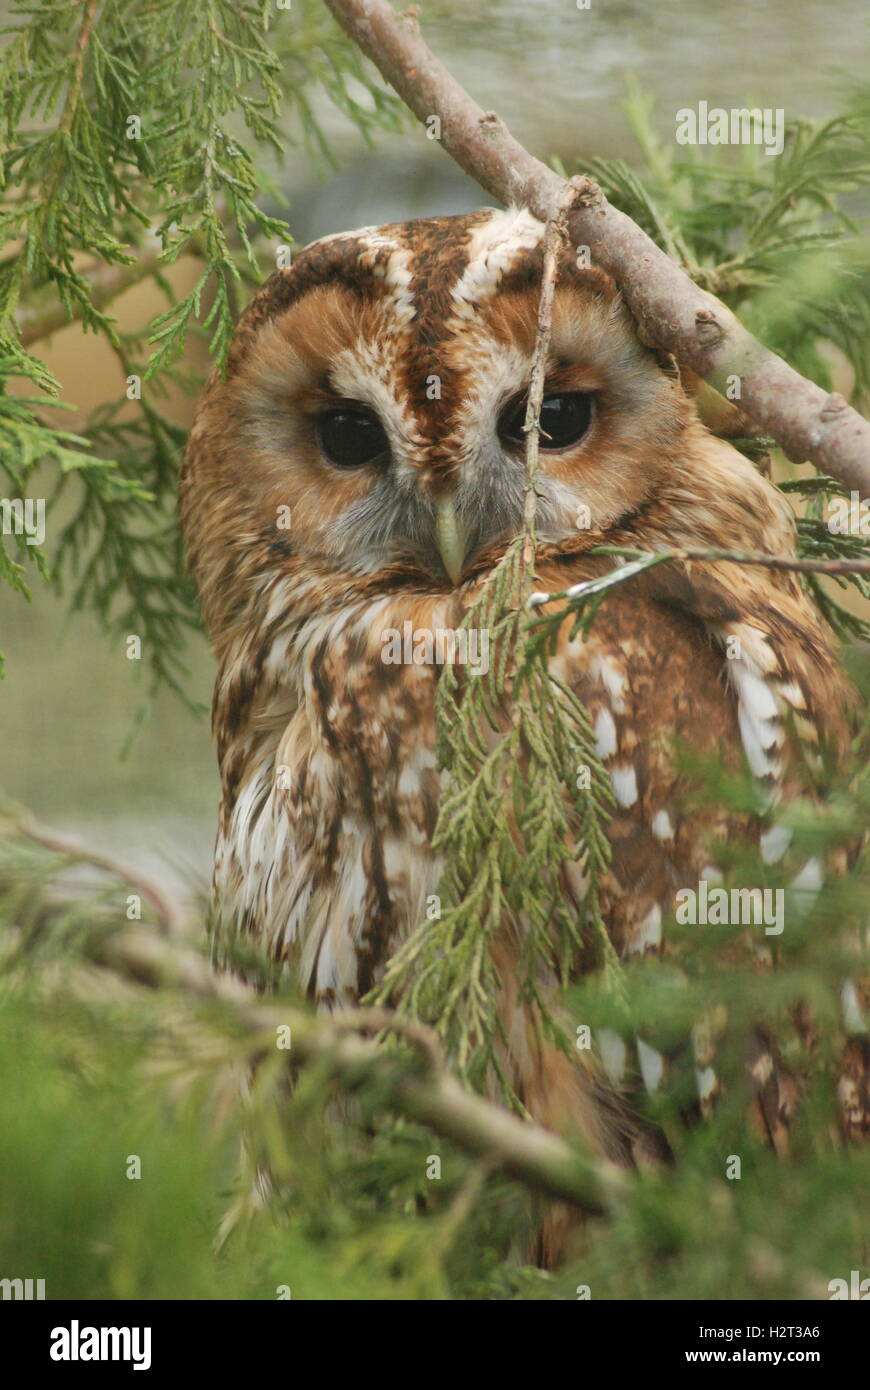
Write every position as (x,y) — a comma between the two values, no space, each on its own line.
(431,279)
(385,258)
(494,248)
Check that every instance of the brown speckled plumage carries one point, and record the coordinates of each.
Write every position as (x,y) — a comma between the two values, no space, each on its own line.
(330,787)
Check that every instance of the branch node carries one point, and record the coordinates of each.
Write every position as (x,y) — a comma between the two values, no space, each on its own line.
(708,329)
(586,191)
(491,123)
(834,406)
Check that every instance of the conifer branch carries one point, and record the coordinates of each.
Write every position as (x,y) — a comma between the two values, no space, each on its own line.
(672,313)
(106,282)
(124,131)
(415,1084)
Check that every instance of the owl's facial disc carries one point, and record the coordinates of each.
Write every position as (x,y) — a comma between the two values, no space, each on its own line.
(382,396)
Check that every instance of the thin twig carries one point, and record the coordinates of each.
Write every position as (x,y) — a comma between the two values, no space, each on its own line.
(646,559)
(777,562)
(167,911)
(555,234)
(372,1020)
(74,90)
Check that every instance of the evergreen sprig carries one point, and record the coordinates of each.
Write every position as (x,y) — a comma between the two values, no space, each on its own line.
(816,540)
(130,137)
(512,742)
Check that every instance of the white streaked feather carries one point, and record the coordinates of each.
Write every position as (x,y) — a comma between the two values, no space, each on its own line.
(605,733)
(774,842)
(853,1016)
(649,934)
(613,1053)
(624,781)
(652,1066)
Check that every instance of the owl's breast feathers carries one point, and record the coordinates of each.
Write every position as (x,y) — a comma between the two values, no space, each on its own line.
(324,711)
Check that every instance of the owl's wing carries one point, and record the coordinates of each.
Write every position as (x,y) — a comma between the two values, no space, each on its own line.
(734,668)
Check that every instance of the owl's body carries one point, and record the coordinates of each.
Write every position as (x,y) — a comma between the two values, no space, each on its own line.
(374,390)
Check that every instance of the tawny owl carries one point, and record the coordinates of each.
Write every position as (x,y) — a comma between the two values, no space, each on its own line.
(360,467)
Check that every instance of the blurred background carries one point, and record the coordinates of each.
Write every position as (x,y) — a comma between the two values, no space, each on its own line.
(558,75)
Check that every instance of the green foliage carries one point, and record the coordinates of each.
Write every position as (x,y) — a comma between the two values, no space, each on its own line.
(98,1064)
(132,136)
(816,541)
(780,1230)
(771,237)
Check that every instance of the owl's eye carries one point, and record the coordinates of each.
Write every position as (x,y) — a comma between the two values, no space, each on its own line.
(564,420)
(351,436)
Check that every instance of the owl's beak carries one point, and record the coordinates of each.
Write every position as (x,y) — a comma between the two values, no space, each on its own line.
(450,537)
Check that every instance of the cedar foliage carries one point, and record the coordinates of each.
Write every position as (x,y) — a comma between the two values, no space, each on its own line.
(130,136)
(98,1064)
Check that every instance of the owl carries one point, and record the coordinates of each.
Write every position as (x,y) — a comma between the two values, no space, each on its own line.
(359,470)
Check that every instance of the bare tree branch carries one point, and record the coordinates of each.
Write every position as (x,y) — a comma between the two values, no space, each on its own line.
(672,313)
(533,1155)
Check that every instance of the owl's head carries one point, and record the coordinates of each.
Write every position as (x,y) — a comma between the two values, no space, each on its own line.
(371,418)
